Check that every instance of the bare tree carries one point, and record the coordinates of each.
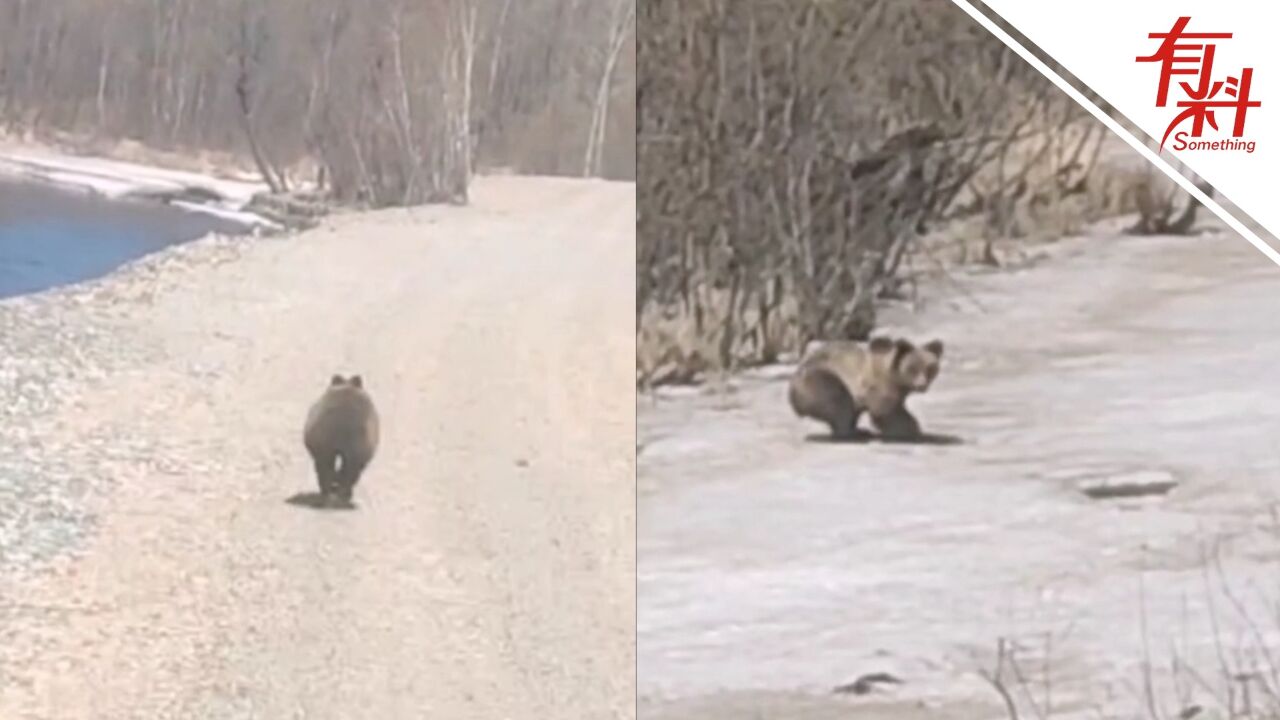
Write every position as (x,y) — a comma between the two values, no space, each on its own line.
(382,102)
(621,24)
(248,57)
(792,153)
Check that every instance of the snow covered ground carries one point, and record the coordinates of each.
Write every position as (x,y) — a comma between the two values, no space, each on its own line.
(772,569)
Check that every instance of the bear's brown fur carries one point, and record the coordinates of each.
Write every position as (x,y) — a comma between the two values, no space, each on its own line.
(341,434)
(840,380)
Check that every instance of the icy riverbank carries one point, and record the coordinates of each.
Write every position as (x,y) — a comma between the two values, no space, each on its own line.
(225,198)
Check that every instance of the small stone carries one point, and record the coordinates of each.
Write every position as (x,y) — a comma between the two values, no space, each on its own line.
(866,683)
(1141,483)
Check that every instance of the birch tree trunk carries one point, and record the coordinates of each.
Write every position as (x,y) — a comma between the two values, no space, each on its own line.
(624,16)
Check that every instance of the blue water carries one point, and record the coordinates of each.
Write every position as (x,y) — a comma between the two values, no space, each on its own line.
(50,237)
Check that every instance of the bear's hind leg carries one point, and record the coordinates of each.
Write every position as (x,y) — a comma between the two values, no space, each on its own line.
(326,474)
(348,476)
(820,394)
(844,422)
(898,426)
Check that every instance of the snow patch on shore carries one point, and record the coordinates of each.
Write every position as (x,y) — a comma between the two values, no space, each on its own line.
(227,199)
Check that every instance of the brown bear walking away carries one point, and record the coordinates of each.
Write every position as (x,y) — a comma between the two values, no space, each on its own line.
(839,381)
(341,434)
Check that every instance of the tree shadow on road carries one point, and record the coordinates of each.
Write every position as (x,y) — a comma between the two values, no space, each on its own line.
(316,501)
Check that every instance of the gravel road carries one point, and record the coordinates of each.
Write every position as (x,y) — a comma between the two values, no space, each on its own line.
(488,571)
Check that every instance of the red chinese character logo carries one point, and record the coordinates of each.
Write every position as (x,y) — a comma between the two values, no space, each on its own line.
(1184,53)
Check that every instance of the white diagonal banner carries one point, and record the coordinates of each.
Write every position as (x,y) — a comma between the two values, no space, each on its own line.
(1208,84)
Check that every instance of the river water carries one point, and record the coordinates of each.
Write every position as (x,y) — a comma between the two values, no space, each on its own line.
(51,237)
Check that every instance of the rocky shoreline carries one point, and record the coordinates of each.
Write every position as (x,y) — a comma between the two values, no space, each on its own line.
(56,346)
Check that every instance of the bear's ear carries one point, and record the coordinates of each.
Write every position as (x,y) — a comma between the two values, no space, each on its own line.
(336,380)
(881,344)
(357,381)
(902,347)
(933,347)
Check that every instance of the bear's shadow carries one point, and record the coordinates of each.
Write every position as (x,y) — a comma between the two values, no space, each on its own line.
(865,437)
(316,501)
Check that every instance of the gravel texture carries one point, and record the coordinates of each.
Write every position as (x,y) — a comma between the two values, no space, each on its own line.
(151,566)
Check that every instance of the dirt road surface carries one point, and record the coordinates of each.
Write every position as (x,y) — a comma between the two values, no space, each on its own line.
(774,569)
(488,571)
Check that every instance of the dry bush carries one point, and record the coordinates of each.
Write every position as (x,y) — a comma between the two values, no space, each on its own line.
(674,345)
(1163,207)
(1240,630)
(792,152)
(1107,191)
